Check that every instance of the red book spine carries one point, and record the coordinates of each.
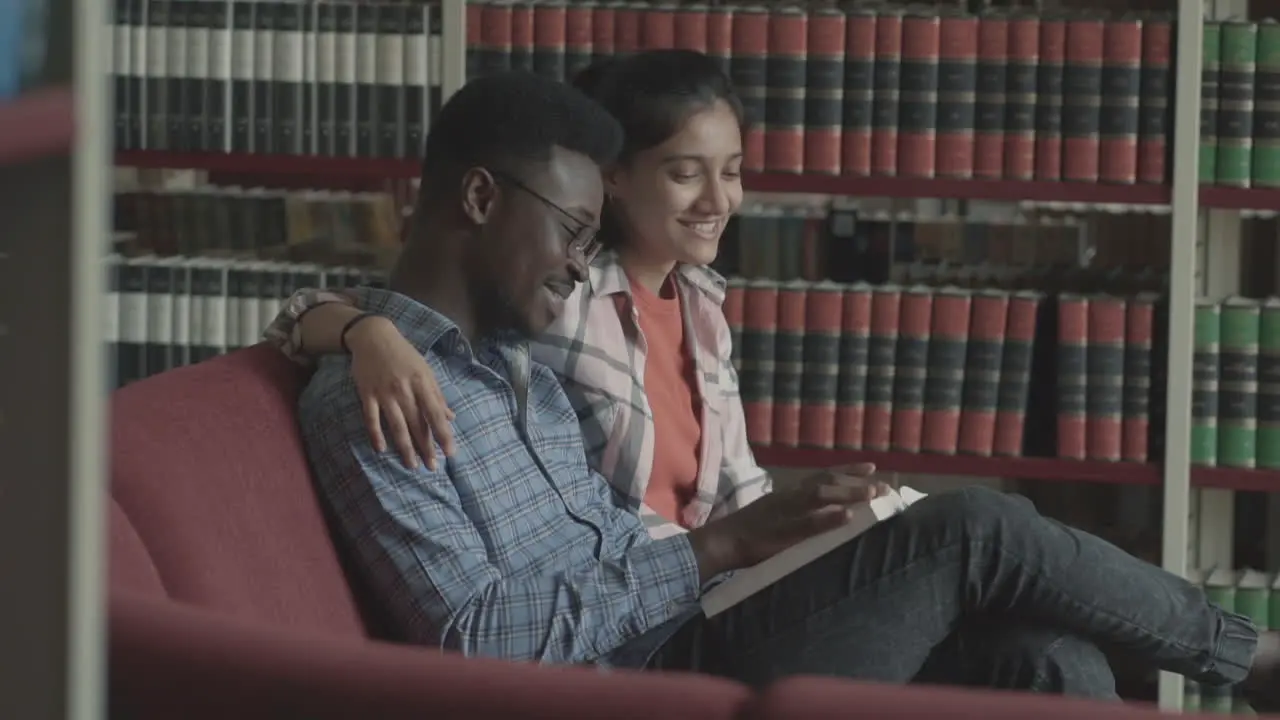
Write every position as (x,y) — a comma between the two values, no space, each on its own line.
(748,70)
(1121,96)
(992,86)
(549,40)
(759,336)
(627,28)
(1104,392)
(1020,98)
(720,36)
(658,27)
(1154,115)
(823,308)
(733,314)
(882,346)
(495,38)
(691,28)
(859,92)
(1082,100)
(957,109)
(475,38)
(1049,78)
(824,92)
(884,110)
(578,39)
(911,368)
(603,31)
(851,394)
(918,96)
(785,91)
(984,354)
(944,383)
(522,37)
(1073,376)
(789,363)
(1139,335)
(1015,373)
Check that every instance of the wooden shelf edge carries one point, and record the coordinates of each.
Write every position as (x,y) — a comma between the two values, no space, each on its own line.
(1220,478)
(1227,198)
(39,123)
(1030,468)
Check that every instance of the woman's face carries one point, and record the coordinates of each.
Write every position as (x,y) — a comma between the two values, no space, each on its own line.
(675,199)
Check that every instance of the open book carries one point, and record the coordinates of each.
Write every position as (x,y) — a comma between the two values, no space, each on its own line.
(747,582)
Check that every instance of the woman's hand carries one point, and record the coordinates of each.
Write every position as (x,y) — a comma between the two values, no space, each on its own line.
(397,387)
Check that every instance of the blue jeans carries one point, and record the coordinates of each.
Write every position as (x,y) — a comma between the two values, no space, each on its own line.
(972,587)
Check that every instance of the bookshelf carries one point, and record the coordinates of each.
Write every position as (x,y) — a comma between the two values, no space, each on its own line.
(54,157)
(1205,230)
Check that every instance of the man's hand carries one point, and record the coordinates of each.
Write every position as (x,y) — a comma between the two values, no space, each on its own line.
(775,522)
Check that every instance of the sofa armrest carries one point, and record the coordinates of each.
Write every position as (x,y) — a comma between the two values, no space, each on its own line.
(175,661)
(811,698)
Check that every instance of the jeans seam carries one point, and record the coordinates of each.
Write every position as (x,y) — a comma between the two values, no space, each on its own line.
(1038,679)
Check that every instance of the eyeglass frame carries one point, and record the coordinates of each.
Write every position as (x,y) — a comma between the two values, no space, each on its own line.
(584,240)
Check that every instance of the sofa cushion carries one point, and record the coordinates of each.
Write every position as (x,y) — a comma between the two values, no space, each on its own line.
(207,463)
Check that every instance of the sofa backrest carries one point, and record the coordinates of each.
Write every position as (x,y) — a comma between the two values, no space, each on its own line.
(207,466)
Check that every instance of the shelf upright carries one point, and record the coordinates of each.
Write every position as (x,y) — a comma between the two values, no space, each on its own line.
(1182,293)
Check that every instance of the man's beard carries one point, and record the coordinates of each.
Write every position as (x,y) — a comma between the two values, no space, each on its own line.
(499,315)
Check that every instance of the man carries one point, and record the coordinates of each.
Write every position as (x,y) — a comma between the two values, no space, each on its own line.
(516,550)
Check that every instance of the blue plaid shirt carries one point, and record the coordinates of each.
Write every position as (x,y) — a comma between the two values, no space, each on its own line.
(516,548)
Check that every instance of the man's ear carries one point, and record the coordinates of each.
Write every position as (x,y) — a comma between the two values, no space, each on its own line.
(612,176)
(479,193)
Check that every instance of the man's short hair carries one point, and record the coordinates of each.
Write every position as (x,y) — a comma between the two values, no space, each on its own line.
(511,118)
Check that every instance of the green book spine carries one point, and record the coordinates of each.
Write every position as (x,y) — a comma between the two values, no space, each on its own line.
(1204,384)
(1266,107)
(1238,383)
(1235,104)
(1209,101)
(1253,598)
(1269,386)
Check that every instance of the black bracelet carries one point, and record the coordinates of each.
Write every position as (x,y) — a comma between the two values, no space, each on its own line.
(342,337)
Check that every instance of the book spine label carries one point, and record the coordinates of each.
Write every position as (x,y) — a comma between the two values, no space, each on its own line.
(1049,98)
(1238,385)
(911,360)
(577,38)
(367,120)
(785,92)
(824,93)
(289,78)
(347,71)
(177,113)
(310,113)
(759,342)
(1021,98)
(157,88)
(391,86)
(131,363)
(1210,75)
(159,327)
(180,330)
(1269,390)
(944,381)
(1121,93)
(122,72)
(326,78)
(991,85)
(918,97)
(139,69)
(416,81)
(882,349)
(982,365)
(851,392)
(264,40)
(1104,386)
(1139,333)
(1154,121)
(789,364)
(859,93)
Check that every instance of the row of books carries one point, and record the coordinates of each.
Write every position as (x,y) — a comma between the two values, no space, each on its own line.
(882,90)
(1252,593)
(348,79)
(164,313)
(327,227)
(1235,408)
(1239,115)
(947,370)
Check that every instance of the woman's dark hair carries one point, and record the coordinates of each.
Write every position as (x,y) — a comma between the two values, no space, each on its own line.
(652,94)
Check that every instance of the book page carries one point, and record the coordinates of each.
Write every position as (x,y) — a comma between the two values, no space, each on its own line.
(747,582)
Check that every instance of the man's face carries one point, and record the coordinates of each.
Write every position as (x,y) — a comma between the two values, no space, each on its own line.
(529,261)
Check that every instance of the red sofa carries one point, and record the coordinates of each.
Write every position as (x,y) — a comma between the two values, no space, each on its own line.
(228,598)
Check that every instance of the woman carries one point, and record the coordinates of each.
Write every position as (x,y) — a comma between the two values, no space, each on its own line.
(642,348)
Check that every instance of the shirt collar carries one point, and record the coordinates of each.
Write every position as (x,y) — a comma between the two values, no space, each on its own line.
(606,277)
(422,326)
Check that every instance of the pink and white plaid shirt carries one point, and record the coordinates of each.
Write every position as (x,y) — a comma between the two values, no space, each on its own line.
(598,352)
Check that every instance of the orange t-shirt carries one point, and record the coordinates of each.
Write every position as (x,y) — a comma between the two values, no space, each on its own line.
(670,384)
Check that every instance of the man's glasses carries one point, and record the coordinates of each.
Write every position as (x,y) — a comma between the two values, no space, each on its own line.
(583,238)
